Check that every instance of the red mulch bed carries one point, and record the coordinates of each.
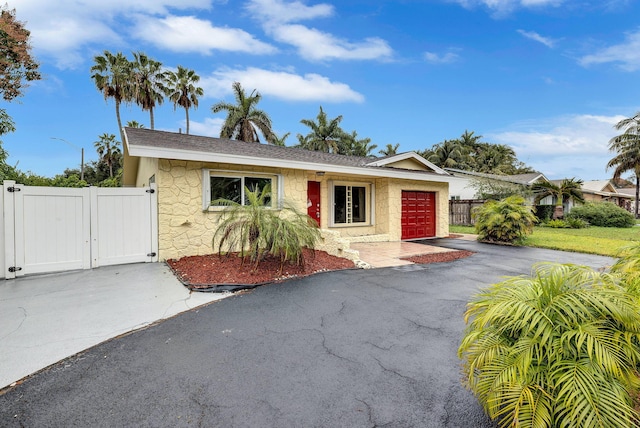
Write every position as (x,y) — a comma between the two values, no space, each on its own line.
(449,256)
(198,272)
(229,273)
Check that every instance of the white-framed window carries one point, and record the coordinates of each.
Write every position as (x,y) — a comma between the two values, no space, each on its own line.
(232,185)
(352,203)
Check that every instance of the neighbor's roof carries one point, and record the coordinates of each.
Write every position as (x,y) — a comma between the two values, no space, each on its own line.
(598,186)
(169,145)
(525,179)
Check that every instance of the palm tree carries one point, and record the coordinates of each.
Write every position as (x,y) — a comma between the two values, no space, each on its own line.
(108,150)
(111,74)
(448,154)
(351,145)
(325,135)
(148,83)
(627,147)
(134,124)
(181,90)
(568,189)
(243,118)
(279,141)
(257,231)
(495,159)
(557,349)
(390,149)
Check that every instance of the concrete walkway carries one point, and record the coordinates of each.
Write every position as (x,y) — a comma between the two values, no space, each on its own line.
(389,254)
(46,318)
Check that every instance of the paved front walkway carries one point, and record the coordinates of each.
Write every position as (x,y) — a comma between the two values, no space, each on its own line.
(389,254)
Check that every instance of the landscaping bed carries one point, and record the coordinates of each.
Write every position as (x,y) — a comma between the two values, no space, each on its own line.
(230,272)
(212,272)
(448,256)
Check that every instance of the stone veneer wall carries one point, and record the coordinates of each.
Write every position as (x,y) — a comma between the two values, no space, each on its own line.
(186,230)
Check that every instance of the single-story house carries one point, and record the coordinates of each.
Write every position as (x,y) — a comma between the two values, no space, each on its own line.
(604,191)
(462,185)
(399,197)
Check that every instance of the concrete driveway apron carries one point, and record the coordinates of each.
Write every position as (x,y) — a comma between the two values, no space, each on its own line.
(46,318)
(357,348)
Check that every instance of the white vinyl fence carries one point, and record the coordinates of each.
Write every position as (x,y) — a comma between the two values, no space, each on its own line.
(51,229)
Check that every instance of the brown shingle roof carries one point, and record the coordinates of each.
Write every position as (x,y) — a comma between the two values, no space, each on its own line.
(170,140)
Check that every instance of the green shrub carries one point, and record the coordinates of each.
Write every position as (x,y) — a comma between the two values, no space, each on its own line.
(544,212)
(603,214)
(507,221)
(570,223)
(576,223)
(256,230)
(556,224)
(558,349)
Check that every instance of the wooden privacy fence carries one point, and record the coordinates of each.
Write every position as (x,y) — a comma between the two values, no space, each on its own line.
(460,211)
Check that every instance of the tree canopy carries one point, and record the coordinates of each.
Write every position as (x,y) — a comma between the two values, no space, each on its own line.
(627,149)
(326,135)
(468,153)
(182,90)
(17,65)
(244,119)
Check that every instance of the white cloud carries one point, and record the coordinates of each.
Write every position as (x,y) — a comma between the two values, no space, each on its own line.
(447,58)
(505,6)
(189,34)
(66,29)
(314,45)
(209,128)
(627,54)
(563,147)
(548,42)
(278,19)
(284,85)
(281,12)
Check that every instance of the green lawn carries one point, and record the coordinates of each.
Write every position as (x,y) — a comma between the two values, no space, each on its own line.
(592,240)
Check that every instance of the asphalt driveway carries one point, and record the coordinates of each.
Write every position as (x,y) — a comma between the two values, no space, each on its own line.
(358,348)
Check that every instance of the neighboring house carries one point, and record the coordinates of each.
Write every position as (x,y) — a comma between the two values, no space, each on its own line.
(352,198)
(462,186)
(604,191)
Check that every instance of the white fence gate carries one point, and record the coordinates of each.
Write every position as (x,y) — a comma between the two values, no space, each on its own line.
(50,229)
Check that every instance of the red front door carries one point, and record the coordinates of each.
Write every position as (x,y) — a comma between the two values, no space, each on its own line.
(418,214)
(313,200)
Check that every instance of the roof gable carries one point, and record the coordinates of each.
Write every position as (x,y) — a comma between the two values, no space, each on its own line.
(408,160)
(599,186)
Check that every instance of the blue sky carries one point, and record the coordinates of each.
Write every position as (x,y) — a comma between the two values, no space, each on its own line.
(550,78)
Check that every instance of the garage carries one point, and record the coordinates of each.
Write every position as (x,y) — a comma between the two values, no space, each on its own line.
(418,214)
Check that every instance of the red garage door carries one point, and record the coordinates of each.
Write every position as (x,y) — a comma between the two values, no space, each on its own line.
(418,214)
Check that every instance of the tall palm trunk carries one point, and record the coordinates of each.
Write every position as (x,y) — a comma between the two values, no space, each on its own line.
(151,119)
(119,122)
(186,110)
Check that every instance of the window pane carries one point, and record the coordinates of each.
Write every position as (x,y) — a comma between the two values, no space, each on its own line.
(253,183)
(340,204)
(226,188)
(359,204)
